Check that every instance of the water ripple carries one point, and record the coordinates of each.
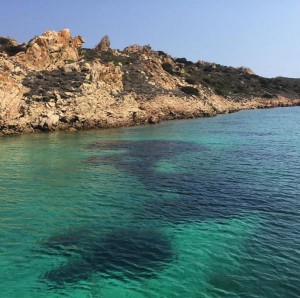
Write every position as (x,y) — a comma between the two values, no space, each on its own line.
(202,208)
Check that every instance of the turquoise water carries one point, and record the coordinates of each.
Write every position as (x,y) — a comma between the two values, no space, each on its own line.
(192,208)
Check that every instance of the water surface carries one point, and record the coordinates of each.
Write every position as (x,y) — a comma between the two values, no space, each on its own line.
(191,208)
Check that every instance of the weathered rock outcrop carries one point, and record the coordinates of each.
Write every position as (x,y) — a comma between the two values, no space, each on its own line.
(246,70)
(50,50)
(11,89)
(51,83)
(104,44)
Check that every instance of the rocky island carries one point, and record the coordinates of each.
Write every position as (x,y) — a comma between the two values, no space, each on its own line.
(54,83)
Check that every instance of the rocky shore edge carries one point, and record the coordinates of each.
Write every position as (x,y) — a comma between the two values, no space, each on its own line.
(52,83)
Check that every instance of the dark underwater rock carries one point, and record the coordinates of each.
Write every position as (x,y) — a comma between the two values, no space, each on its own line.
(67,243)
(140,158)
(122,254)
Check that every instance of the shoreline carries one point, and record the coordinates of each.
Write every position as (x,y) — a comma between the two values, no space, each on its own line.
(150,119)
(52,83)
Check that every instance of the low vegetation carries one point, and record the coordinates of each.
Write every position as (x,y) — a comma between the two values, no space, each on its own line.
(9,47)
(234,82)
(104,56)
(168,68)
(190,90)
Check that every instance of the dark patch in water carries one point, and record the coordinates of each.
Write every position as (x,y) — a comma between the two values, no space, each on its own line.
(202,195)
(123,254)
(190,208)
(141,156)
(68,243)
(198,199)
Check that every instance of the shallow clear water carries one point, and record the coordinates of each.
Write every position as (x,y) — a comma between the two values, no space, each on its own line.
(191,208)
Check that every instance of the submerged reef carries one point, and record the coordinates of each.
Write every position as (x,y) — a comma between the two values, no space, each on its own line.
(122,254)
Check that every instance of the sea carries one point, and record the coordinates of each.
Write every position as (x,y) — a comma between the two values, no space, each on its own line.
(206,207)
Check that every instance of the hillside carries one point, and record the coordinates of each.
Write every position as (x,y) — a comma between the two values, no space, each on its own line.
(54,83)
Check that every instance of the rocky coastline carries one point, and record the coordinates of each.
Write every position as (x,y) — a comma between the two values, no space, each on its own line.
(53,83)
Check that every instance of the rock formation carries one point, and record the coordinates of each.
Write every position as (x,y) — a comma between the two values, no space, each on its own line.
(246,70)
(51,83)
(50,50)
(104,44)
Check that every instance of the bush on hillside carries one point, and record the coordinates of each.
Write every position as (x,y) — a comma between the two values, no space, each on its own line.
(190,90)
(168,68)
(162,53)
(184,61)
(190,81)
(267,95)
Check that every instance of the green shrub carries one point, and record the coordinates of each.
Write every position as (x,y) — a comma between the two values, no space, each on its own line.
(161,53)
(207,80)
(184,61)
(168,68)
(207,69)
(190,81)
(267,95)
(220,91)
(88,54)
(238,89)
(108,56)
(4,41)
(8,46)
(263,82)
(189,90)
(13,50)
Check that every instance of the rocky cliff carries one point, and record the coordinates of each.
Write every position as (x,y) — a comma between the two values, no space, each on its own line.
(53,83)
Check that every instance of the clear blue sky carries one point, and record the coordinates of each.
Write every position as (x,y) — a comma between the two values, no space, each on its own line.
(261,34)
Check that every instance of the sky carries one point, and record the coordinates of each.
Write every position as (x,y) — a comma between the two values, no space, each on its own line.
(261,34)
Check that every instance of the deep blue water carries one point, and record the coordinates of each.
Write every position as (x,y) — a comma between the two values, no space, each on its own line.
(191,208)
